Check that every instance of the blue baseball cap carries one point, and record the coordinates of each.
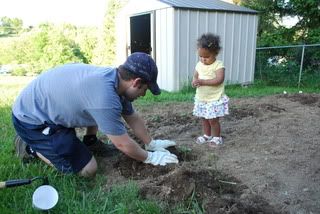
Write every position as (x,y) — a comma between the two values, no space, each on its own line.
(142,65)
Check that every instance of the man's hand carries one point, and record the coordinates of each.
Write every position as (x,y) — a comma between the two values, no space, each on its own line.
(161,158)
(159,145)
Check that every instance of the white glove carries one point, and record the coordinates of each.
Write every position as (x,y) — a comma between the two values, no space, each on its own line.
(161,158)
(159,145)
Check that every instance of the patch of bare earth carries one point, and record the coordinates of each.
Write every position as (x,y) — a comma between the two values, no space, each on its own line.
(268,164)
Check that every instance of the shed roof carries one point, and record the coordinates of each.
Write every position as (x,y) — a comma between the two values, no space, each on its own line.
(214,5)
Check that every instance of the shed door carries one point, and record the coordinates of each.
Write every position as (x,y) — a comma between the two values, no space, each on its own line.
(140,33)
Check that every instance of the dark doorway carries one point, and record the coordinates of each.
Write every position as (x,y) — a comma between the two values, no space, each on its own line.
(140,36)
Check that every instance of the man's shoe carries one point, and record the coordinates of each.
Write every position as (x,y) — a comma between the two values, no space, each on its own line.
(21,149)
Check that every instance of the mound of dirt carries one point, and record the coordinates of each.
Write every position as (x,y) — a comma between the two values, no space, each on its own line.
(217,192)
(269,162)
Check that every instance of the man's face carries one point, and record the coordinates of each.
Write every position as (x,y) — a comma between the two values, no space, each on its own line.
(136,90)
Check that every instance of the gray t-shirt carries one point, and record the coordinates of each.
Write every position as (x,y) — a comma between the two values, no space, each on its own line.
(75,95)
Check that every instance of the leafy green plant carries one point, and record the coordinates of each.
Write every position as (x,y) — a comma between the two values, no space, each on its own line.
(185,151)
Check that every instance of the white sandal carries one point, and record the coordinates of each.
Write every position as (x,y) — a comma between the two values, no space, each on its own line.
(215,141)
(203,139)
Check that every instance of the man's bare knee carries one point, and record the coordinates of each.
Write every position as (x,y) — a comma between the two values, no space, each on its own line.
(90,169)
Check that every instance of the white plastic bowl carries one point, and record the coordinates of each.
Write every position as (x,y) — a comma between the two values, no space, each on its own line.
(45,197)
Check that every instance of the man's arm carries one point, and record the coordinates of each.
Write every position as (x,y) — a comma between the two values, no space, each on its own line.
(156,153)
(125,144)
(128,146)
(137,124)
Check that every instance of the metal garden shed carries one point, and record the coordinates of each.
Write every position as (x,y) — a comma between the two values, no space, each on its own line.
(168,30)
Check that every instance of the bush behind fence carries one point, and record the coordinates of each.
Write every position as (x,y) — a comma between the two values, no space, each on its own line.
(289,66)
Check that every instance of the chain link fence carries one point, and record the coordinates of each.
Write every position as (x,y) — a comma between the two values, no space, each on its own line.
(289,66)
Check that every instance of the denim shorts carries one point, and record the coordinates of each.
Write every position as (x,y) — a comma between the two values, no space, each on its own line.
(60,145)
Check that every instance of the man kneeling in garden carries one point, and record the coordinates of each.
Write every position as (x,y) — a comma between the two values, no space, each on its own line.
(61,99)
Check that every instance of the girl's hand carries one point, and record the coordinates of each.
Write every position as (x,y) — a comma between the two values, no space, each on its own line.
(195,83)
(195,80)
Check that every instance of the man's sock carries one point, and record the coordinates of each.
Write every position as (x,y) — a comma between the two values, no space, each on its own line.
(90,139)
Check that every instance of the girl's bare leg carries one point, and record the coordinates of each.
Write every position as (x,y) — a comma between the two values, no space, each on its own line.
(215,127)
(206,127)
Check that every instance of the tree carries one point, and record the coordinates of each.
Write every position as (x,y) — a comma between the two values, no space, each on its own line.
(105,51)
(308,12)
(271,13)
(87,39)
(10,25)
(43,47)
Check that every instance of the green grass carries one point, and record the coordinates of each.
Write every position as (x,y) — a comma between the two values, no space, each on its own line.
(233,91)
(79,195)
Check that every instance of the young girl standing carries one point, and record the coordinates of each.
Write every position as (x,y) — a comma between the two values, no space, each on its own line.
(211,103)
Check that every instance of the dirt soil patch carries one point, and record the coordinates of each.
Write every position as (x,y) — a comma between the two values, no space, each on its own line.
(269,162)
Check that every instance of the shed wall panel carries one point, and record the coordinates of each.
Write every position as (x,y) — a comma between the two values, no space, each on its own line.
(164,49)
(236,55)
(253,39)
(182,46)
(194,29)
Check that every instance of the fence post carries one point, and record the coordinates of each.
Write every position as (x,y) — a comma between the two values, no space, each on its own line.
(301,66)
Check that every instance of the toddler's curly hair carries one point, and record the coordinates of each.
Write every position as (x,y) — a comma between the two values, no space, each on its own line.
(210,42)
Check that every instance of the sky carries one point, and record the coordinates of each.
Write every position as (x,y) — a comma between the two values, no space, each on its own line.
(34,12)
(289,21)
